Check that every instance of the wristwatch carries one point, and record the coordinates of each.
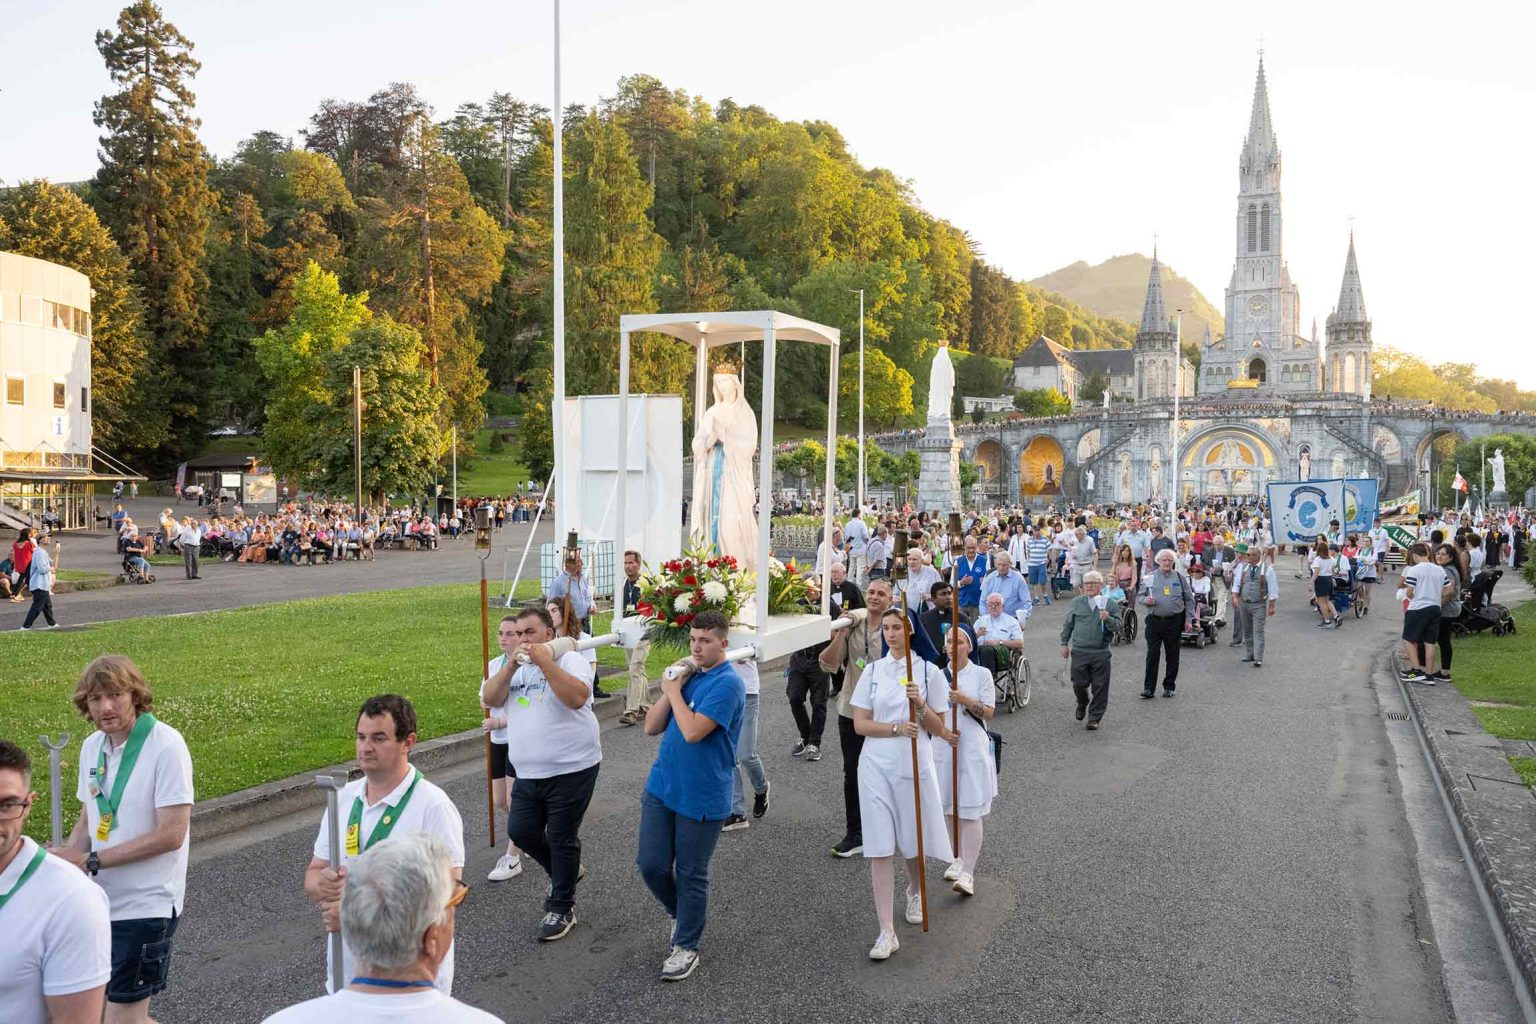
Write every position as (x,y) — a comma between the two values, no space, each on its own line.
(895,728)
(92,863)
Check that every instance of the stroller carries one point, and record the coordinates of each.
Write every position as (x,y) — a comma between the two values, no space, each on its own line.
(1478,609)
(133,574)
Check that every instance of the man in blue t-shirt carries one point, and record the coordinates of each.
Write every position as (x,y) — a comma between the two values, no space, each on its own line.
(688,794)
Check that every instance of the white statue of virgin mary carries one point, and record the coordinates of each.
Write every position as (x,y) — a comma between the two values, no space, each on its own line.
(941,384)
(723,446)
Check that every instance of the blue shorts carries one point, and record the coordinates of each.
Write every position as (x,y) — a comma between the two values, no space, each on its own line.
(1037,575)
(141,958)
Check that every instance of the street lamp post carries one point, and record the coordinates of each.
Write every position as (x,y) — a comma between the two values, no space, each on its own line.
(860,496)
(1178,387)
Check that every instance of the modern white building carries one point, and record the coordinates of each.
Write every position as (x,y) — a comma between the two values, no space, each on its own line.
(46,466)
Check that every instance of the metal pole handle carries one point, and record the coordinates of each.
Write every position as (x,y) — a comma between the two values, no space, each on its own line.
(332,786)
(55,796)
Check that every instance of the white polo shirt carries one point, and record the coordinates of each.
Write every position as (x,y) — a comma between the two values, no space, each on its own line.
(544,737)
(427,1005)
(429,810)
(55,936)
(162,777)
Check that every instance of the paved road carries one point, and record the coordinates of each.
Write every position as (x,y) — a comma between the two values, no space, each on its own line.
(1239,853)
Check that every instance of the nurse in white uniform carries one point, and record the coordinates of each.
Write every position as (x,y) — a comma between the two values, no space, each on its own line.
(977,698)
(880,714)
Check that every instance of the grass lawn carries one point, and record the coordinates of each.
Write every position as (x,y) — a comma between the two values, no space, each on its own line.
(75,575)
(493,473)
(265,692)
(1497,670)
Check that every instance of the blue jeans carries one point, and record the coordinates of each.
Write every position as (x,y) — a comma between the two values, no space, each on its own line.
(673,858)
(747,761)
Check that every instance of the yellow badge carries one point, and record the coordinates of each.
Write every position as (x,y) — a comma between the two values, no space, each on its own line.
(104,829)
(352,849)
(1167,591)
(388,819)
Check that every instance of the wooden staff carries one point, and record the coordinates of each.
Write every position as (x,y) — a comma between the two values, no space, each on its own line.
(956,549)
(899,572)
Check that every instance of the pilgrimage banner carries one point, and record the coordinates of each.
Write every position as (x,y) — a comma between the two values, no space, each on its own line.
(1401,535)
(1299,511)
(1359,504)
(1404,509)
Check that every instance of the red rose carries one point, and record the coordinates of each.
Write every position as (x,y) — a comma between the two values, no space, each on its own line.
(645,608)
(690,580)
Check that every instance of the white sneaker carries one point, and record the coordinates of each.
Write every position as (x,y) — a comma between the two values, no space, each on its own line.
(954,871)
(884,946)
(679,964)
(914,908)
(507,867)
(965,885)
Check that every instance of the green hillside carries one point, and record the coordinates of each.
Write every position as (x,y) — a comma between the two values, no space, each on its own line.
(1118,288)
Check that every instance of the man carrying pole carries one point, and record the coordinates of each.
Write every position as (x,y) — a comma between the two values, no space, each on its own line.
(392,794)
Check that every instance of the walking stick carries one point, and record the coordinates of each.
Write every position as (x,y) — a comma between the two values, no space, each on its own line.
(483,549)
(55,797)
(333,786)
(956,549)
(899,572)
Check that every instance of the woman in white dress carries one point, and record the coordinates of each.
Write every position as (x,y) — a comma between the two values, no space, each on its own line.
(880,715)
(973,691)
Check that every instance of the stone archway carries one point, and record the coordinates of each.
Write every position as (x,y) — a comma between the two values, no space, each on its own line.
(1258,370)
(1041,465)
(990,460)
(1089,444)
(1227,459)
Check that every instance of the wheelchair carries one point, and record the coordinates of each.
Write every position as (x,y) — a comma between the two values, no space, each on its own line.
(1010,677)
(133,574)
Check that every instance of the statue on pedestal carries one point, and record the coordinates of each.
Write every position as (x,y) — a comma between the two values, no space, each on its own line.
(1497,465)
(723,446)
(941,384)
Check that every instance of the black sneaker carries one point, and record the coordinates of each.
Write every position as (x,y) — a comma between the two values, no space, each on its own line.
(848,847)
(1147,695)
(760,802)
(1441,677)
(1167,693)
(734,823)
(556,926)
(1082,710)
(798,749)
(1093,724)
(812,752)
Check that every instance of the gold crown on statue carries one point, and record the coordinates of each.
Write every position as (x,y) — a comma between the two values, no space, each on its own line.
(728,367)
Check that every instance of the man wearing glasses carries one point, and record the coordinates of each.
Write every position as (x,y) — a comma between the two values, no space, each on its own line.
(391,797)
(397,920)
(55,935)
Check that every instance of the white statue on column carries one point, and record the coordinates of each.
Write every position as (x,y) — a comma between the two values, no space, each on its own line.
(723,446)
(1088,482)
(1497,464)
(941,384)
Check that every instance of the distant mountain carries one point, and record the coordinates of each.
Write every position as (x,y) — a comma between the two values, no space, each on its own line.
(1118,288)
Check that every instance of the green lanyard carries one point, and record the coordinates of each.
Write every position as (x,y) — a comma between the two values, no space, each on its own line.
(386,824)
(108,807)
(37,862)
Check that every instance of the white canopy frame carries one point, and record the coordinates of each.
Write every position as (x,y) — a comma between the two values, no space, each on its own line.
(705,331)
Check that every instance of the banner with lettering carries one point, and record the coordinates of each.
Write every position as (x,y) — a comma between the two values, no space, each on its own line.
(1404,509)
(1300,511)
(1359,504)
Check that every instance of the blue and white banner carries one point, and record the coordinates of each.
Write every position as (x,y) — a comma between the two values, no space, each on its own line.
(1301,510)
(1360,504)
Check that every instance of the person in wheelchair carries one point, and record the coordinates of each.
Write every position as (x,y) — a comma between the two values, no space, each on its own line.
(133,555)
(997,633)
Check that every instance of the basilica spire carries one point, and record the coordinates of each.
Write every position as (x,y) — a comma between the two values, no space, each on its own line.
(1154,320)
(1260,163)
(1351,307)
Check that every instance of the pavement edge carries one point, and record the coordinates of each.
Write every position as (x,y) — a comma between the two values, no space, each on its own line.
(1495,810)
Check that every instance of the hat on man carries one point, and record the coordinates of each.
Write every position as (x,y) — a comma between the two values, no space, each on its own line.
(1241,549)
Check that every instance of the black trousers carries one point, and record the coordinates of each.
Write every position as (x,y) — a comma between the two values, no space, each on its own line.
(545,823)
(1090,681)
(1162,633)
(815,685)
(853,745)
(42,604)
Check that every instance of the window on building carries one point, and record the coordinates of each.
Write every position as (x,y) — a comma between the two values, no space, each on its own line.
(1264,228)
(1253,228)
(15,391)
(58,394)
(85,399)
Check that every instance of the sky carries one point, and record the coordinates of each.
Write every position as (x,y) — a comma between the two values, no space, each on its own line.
(1051,132)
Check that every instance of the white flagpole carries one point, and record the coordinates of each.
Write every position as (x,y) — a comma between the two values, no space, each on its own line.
(557,402)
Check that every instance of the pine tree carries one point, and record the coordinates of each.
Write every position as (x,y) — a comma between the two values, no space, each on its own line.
(52,223)
(152,191)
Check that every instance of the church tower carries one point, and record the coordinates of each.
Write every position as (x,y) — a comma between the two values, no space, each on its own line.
(1262,343)
(1156,347)
(1349,335)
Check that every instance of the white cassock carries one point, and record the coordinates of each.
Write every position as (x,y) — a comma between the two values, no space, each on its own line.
(885,765)
(978,769)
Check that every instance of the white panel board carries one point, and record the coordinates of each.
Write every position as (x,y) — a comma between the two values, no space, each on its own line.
(654,497)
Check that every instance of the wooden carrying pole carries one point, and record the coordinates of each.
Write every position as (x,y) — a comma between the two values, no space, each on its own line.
(483,549)
(899,573)
(956,549)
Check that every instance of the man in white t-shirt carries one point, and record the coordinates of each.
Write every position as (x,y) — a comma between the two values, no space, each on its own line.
(857,533)
(135,791)
(392,795)
(55,936)
(398,917)
(552,741)
(996,628)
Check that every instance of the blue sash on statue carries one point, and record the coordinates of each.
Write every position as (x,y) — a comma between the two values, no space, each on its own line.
(716,475)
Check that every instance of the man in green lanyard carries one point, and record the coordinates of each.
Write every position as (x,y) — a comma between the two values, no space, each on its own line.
(135,788)
(55,937)
(391,795)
